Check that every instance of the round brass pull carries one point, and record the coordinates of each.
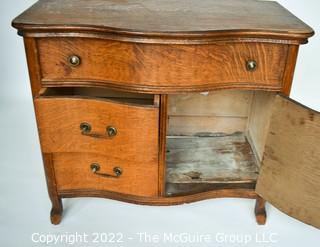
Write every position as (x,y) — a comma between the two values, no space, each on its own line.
(95,167)
(117,171)
(251,65)
(111,131)
(85,127)
(74,60)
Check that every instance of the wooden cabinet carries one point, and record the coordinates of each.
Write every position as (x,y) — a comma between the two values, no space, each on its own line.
(187,106)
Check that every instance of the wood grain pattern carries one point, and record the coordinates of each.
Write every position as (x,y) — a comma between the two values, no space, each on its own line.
(162,68)
(169,19)
(290,172)
(137,126)
(73,172)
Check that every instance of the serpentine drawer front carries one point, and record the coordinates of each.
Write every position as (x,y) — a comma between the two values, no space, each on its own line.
(172,101)
(253,65)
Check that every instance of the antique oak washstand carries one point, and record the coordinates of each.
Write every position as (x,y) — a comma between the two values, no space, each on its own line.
(168,102)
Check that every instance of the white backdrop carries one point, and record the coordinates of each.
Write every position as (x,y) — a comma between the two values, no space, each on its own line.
(24,204)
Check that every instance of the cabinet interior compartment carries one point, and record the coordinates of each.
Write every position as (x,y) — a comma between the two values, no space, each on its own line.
(101,93)
(216,140)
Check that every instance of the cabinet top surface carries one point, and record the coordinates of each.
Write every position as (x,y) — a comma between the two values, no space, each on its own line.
(165,17)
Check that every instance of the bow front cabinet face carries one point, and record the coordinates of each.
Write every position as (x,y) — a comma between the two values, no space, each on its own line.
(168,102)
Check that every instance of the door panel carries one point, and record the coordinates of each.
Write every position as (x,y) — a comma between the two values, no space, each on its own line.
(290,172)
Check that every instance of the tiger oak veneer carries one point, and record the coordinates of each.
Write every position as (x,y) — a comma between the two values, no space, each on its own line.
(173,101)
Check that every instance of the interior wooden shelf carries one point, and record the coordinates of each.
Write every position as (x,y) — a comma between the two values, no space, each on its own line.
(196,164)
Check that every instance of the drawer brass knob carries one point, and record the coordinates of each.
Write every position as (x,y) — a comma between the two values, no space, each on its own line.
(117,171)
(85,127)
(95,167)
(111,131)
(251,65)
(74,60)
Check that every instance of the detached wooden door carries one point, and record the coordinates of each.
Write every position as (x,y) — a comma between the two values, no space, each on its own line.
(290,171)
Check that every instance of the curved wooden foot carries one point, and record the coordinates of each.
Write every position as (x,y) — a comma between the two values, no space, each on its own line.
(55,217)
(260,211)
(56,212)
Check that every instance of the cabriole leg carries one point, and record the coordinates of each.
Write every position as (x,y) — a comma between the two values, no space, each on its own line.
(57,209)
(260,211)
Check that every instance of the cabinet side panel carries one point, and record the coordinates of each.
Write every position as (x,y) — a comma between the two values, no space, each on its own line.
(33,64)
(259,120)
(289,69)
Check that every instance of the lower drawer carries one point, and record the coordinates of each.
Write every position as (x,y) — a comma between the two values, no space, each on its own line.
(78,171)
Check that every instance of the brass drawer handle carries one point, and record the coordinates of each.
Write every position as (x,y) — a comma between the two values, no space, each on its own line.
(86,130)
(95,167)
(74,60)
(251,65)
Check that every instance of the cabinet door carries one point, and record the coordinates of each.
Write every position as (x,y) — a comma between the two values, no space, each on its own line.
(290,171)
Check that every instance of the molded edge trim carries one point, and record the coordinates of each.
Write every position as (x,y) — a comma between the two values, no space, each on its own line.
(144,88)
(160,201)
(200,37)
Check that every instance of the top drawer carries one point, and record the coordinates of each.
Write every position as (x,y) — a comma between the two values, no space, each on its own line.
(161,67)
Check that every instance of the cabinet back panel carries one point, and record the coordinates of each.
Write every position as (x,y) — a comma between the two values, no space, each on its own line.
(216,112)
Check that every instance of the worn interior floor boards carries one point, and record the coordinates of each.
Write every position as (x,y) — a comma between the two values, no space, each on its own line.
(227,159)
(204,163)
